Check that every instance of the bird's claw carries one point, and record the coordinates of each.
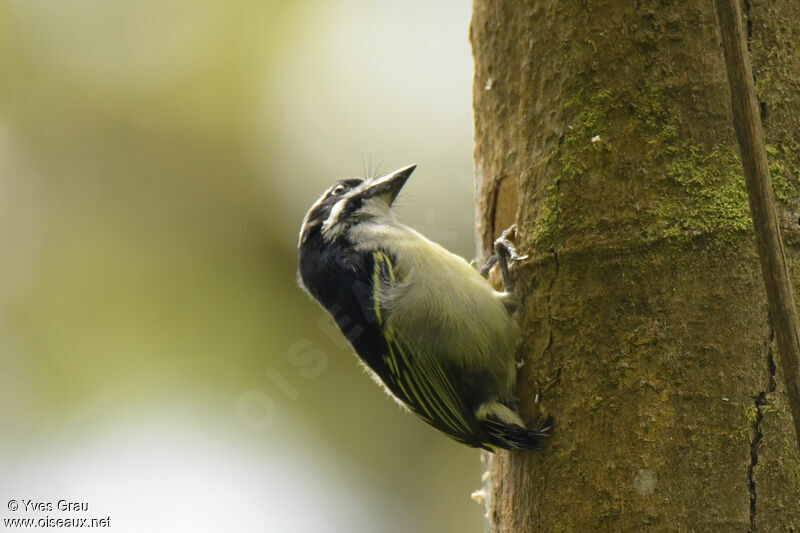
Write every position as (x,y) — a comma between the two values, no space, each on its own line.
(504,251)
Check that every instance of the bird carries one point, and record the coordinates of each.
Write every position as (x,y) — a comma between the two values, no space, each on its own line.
(426,324)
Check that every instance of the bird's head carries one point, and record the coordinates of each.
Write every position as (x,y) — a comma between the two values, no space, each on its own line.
(352,201)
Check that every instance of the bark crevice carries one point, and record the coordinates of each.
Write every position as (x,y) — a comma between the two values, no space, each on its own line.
(550,318)
(748,22)
(758,435)
(550,291)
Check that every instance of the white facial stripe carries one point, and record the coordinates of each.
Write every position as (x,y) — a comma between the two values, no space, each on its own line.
(336,212)
(331,227)
(303,233)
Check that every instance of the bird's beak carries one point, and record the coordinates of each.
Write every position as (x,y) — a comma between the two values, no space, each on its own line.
(389,186)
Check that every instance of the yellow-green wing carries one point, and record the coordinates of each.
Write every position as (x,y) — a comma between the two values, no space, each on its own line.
(418,380)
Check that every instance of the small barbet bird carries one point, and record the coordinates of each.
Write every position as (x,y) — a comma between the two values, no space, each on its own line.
(428,325)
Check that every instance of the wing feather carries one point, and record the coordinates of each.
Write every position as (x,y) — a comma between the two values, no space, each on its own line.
(419,382)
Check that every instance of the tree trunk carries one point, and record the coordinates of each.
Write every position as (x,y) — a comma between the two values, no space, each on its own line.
(603,130)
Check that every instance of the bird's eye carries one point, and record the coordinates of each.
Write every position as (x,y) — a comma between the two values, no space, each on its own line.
(339,189)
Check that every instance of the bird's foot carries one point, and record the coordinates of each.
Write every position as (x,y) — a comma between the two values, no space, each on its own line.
(504,253)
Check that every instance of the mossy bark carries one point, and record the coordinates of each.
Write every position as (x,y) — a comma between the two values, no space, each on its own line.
(603,130)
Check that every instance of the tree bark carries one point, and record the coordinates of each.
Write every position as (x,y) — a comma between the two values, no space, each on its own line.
(603,130)
(753,151)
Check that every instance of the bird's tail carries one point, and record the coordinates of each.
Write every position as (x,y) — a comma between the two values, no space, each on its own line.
(505,428)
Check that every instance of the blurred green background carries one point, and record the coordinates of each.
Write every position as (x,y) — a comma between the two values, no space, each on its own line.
(157,359)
